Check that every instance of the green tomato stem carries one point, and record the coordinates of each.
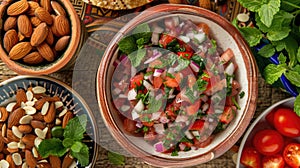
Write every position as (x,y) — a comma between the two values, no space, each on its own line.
(291,4)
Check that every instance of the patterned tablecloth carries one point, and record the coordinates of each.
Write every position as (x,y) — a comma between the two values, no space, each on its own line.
(82,75)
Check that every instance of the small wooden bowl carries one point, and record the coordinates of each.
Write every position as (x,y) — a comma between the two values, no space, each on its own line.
(227,36)
(62,60)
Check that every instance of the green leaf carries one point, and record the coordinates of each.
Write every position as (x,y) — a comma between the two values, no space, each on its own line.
(82,156)
(267,12)
(77,146)
(293,77)
(76,127)
(267,51)
(182,64)
(252,35)
(116,158)
(279,45)
(137,57)
(291,46)
(52,146)
(252,5)
(127,45)
(142,31)
(287,7)
(279,34)
(297,105)
(298,55)
(154,105)
(273,72)
(67,142)
(296,68)
(190,94)
(281,58)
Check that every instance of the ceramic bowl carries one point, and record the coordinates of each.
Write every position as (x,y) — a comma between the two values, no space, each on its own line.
(261,123)
(62,60)
(227,37)
(69,97)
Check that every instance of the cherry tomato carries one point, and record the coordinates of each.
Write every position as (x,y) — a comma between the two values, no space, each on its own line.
(136,81)
(268,142)
(287,122)
(273,161)
(251,158)
(291,155)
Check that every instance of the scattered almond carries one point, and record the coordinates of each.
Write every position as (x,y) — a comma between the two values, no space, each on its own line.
(10,39)
(17,8)
(21,96)
(11,137)
(4,114)
(30,160)
(62,25)
(24,25)
(58,9)
(20,50)
(46,52)
(17,159)
(25,129)
(39,34)
(55,161)
(28,140)
(62,43)
(67,161)
(50,116)
(37,124)
(67,117)
(9,159)
(26,119)
(33,58)
(43,15)
(15,117)
(10,23)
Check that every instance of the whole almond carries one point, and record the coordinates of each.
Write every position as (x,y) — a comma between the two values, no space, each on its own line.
(24,25)
(33,58)
(62,25)
(55,161)
(25,129)
(43,15)
(28,140)
(10,23)
(62,43)
(11,137)
(46,4)
(32,7)
(15,117)
(39,34)
(38,116)
(17,8)
(10,39)
(67,161)
(50,116)
(1,144)
(50,37)
(31,161)
(46,52)
(10,160)
(58,9)
(67,117)
(21,96)
(20,50)
(35,21)
(37,124)
(4,114)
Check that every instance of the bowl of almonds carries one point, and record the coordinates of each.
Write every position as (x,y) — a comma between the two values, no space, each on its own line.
(39,37)
(43,123)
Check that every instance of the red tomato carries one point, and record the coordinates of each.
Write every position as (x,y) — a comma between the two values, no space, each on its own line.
(273,161)
(129,125)
(228,114)
(197,125)
(157,82)
(165,39)
(171,82)
(149,136)
(291,155)
(251,158)
(136,81)
(287,122)
(185,54)
(204,143)
(193,109)
(270,118)
(268,142)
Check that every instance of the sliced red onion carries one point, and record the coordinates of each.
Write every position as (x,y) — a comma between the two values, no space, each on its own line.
(205,107)
(182,146)
(181,118)
(155,116)
(155,56)
(194,66)
(124,108)
(159,128)
(139,107)
(116,63)
(201,37)
(134,115)
(184,39)
(139,125)
(131,94)
(158,72)
(147,85)
(188,134)
(164,119)
(229,70)
(123,57)
(133,71)
(159,147)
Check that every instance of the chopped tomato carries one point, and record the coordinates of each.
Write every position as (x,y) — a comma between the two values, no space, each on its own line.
(155,63)
(227,56)
(229,101)
(165,39)
(157,82)
(273,161)
(136,81)
(178,77)
(171,82)
(185,54)
(251,158)
(203,143)
(187,47)
(193,109)
(187,144)
(150,136)
(203,27)
(148,124)
(228,114)
(291,155)
(197,125)
(129,125)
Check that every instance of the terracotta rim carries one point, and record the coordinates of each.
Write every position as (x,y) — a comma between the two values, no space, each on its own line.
(252,86)
(66,56)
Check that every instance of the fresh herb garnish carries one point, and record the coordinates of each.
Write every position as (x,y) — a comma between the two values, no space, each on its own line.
(115,158)
(137,57)
(72,141)
(190,94)
(242,94)
(182,64)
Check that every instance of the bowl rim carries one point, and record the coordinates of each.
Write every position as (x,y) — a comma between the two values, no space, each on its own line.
(74,93)
(149,14)
(257,120)
(75,24)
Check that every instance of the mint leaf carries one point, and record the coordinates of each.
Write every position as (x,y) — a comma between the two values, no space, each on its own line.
(142,31)
(273,72)
(297,105)
(137,57)
(298,55)
(82,156)
(116,158)
(182,64)
(293,77)
(127,45)
(279,45)
(291,46)
(67,142)
(252,35)
(267,11)
(253,5)
(267,51)
(76,127)
(76,147)
(52,146)
(279,34)
(281,58)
